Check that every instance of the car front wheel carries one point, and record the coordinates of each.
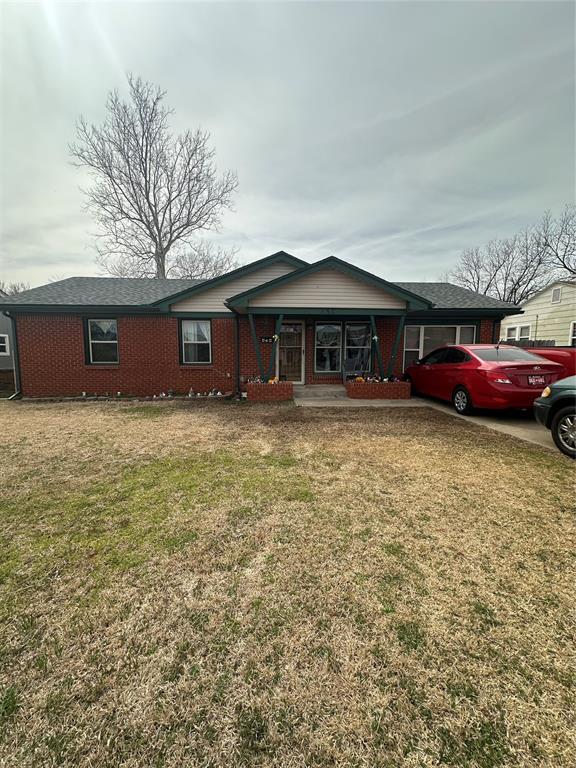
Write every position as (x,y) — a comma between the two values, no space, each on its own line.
(563,430)
(461,401)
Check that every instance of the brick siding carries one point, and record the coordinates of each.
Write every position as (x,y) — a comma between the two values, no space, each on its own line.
(52,356)
(283,390)
(381,390)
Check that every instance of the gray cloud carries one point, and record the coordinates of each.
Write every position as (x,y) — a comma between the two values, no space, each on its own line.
(390,134)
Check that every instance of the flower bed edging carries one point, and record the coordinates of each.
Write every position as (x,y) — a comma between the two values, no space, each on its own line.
(378,390)
(263,393)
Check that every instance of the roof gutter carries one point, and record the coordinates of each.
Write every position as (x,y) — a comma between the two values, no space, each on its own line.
(17,379)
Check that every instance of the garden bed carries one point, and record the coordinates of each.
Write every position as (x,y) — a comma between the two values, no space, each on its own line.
(378,390)
(263,392)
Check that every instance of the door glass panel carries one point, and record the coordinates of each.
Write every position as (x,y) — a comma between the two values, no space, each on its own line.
(438,335)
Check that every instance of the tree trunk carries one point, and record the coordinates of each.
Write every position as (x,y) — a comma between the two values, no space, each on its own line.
(160,261)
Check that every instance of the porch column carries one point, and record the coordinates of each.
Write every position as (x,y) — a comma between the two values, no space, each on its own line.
(279,320)
(261,370)
(396,343)
(375,343)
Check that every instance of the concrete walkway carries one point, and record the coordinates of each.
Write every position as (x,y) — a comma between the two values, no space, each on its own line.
(520,424)
(334,396)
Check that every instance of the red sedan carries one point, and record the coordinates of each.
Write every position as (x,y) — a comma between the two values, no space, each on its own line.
(482,376)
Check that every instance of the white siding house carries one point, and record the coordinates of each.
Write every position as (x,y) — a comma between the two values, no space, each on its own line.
(550,315)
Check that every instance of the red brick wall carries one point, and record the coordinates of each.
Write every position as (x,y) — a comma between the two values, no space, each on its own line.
(52,358)
(369,390)
(489,331)
(283,390)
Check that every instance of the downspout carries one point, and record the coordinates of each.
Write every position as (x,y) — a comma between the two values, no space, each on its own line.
(237,343)
(237,349)
(17,378)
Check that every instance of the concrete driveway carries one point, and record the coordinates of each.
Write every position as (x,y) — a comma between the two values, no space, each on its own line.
(520,424)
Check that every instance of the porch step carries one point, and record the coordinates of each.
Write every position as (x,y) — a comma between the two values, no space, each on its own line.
(323,391)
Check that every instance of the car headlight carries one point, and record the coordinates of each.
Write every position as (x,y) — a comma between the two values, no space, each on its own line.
(546,392)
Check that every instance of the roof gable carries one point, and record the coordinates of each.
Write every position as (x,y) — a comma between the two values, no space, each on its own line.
(332,262)
(280,256)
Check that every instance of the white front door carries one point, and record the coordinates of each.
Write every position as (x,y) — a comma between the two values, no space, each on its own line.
(290,355)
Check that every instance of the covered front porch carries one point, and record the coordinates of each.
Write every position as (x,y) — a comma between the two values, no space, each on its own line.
(325,348)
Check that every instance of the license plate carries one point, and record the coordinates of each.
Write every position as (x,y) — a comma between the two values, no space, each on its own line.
(536,381)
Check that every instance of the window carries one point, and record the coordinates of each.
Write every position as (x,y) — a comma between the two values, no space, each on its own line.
(506,354)
(572,339)
(328,347)
(455,356)
(102,341)
(524,334)
(556,295)
(4,344)
(438,356)
(511,333)
(421,339)
(411,345)
(196,341)
(358,343)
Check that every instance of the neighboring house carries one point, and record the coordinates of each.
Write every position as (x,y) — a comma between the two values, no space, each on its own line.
(550,315)
(6,351)
(278,316)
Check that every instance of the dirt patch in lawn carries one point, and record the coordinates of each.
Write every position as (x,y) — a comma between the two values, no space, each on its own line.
(213,584)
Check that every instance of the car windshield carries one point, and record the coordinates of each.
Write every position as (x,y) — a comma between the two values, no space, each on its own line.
(505,354)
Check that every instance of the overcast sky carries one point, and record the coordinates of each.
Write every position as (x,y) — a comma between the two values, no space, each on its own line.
(389,134)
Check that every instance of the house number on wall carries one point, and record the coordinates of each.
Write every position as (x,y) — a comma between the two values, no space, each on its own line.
(267,339)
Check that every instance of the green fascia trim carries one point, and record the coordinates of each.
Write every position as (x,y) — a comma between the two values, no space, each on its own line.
(86,310)
(321,311)
(245,270)
(414,302)
(80,309)
(438,316)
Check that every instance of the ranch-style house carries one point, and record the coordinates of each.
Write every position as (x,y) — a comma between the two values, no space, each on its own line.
(276,317)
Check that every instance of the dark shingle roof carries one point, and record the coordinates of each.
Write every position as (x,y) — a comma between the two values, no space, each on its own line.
(449,296)
(129,291)
(102,291)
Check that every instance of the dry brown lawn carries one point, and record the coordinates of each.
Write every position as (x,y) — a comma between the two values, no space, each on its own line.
(221,585)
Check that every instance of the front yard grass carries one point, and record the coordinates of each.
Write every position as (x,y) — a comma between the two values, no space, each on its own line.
(214,584)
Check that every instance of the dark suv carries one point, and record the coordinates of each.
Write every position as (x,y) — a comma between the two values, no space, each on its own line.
(556,410)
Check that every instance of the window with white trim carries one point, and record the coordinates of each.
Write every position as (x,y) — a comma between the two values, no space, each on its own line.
(419,340)
(524,333)
(358,340)
(572,340)
(511,333)
(4,345)
(102,341)
(556,295)
(196,342)
(328,347)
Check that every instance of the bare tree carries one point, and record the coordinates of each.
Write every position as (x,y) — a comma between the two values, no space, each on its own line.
(511,269)
(204,260)
(557,237)
(11,289)
(152,192)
